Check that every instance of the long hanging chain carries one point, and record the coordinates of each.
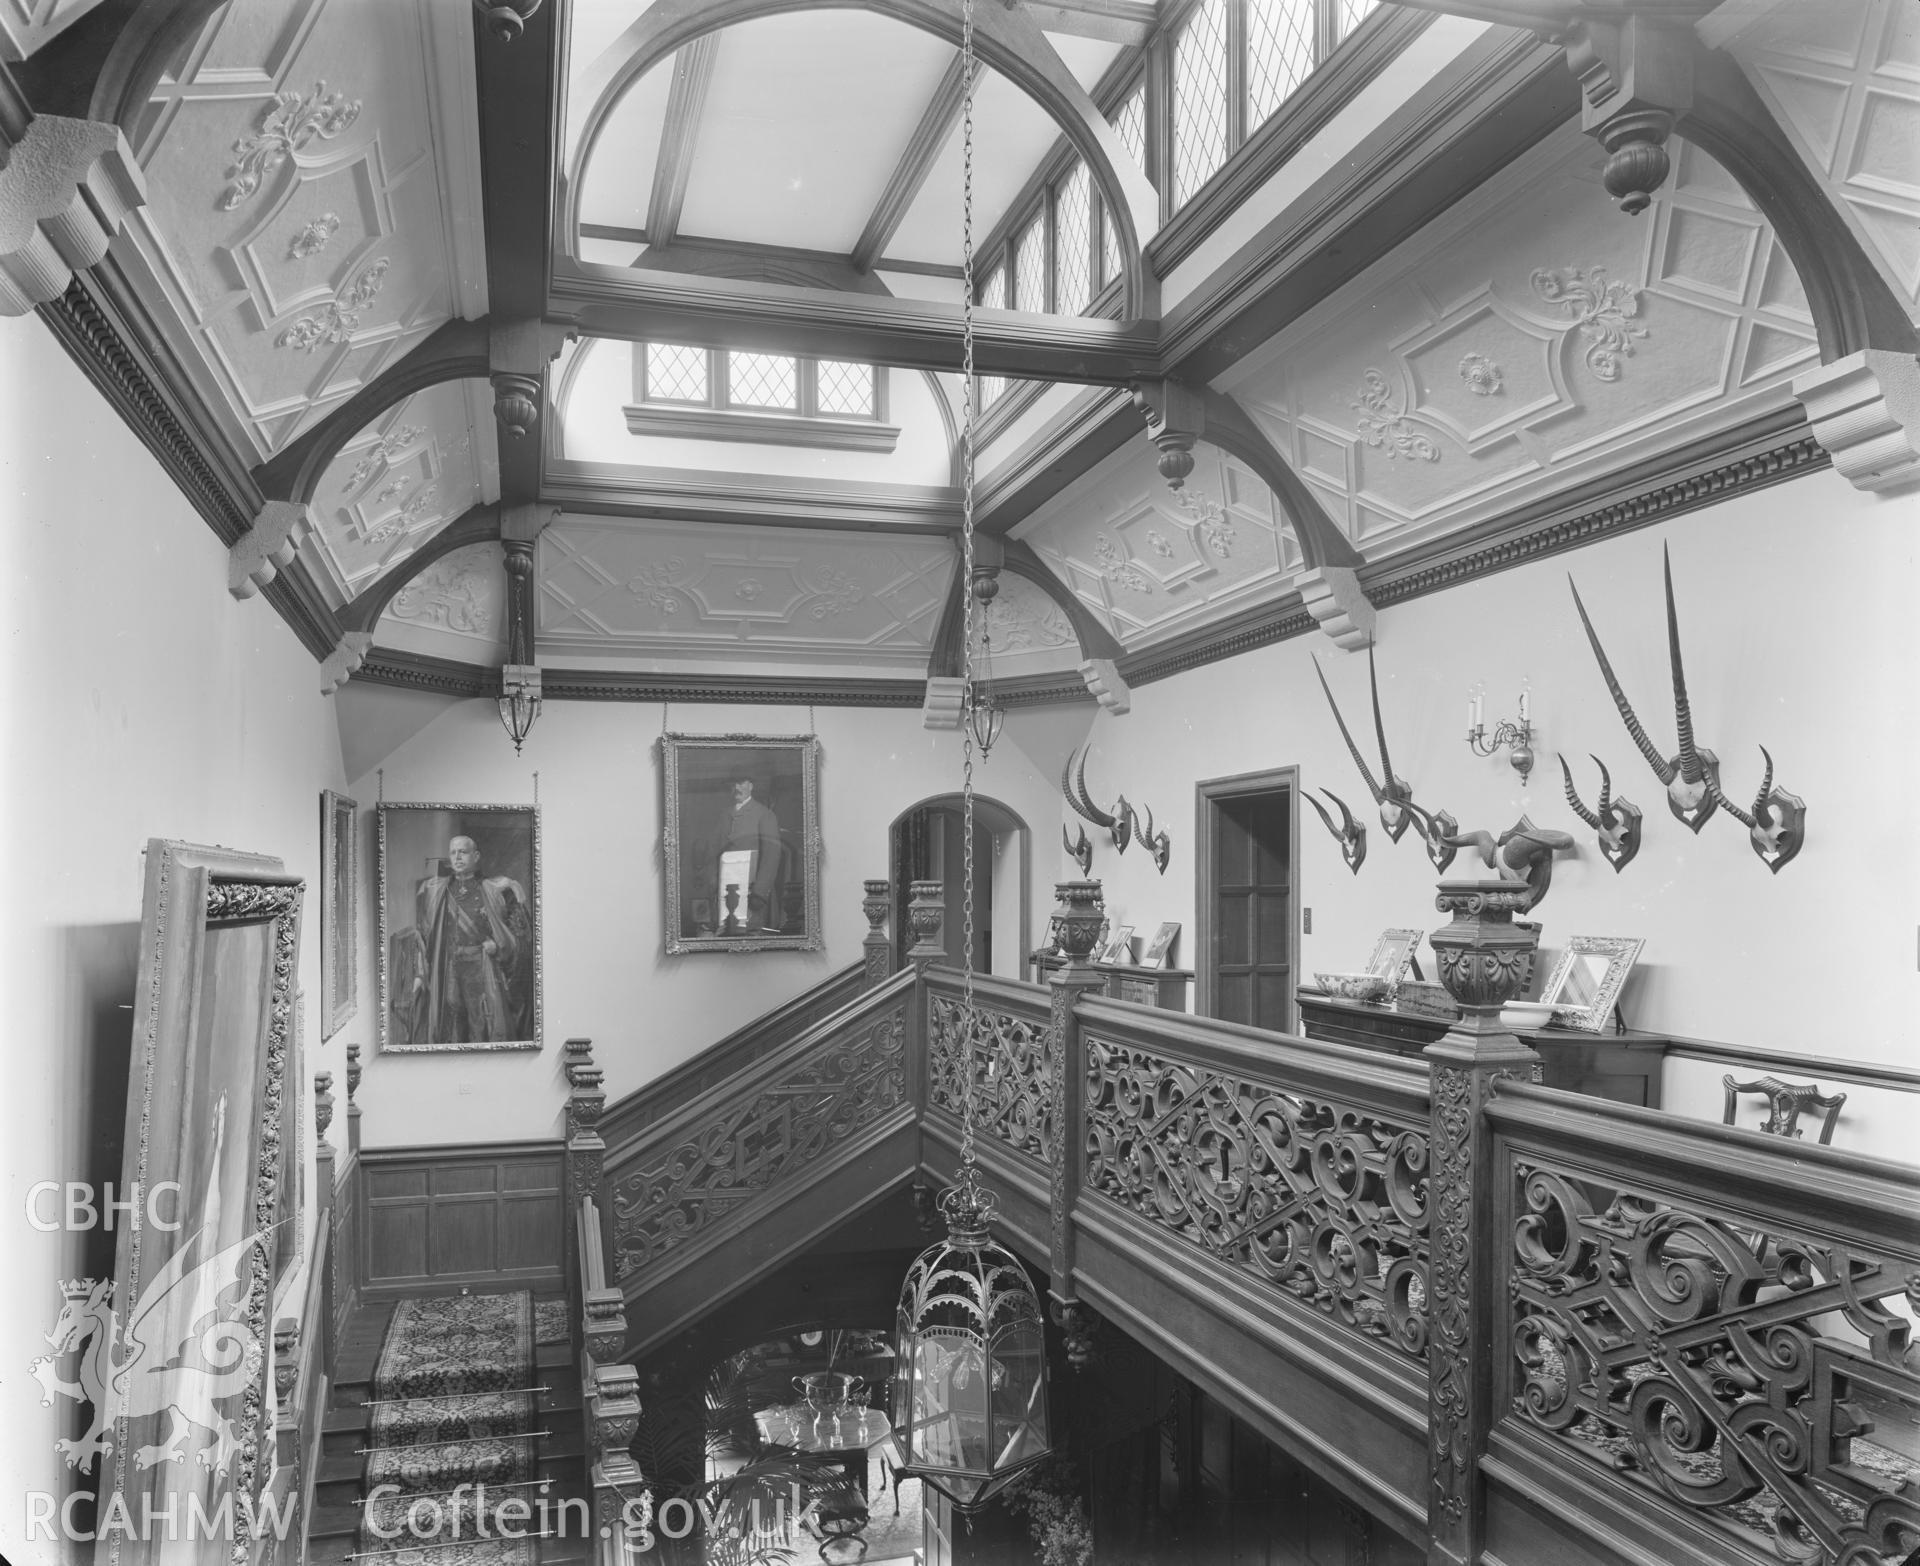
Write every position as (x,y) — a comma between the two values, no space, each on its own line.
(966,578)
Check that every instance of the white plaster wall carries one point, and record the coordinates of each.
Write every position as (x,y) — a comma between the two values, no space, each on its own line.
(141,701)
(1798,626)
(606,975)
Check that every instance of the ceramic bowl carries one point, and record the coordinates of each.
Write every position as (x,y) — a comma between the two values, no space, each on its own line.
(1353,986)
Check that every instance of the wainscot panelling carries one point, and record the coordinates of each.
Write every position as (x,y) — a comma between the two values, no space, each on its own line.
(447,1217)
(344,1260)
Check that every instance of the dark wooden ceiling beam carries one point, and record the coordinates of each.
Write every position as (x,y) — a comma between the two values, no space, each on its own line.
(920,334)
(916,163)
(693,70)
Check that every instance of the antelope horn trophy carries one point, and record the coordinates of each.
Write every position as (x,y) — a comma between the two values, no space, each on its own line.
(1081,850)
(1687,774)
(1073,783)
(1351,835)
(1436,827)
(1776,826)
(1616,820)
(1392,794)
(1157,844)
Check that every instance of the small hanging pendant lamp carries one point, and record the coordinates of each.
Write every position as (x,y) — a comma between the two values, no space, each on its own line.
(970,1388)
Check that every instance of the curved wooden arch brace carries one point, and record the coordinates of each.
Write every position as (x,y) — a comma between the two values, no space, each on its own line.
(106,65)
(456,351)
(1006,39)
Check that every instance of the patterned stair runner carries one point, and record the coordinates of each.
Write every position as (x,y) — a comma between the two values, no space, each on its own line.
(451,1409)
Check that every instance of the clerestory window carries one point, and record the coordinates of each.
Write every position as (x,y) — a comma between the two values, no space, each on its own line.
(779,399)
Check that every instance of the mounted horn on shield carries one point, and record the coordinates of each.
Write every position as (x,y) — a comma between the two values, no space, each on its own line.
(1616,820)
(1073,783)
(1777,824)
(1080,849)
(1693,776)
(1391,794)
(1437,830)
(1524,852)
(1351,835)
(1156,843)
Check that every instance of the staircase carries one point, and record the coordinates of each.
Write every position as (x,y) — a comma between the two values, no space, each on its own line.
(340,1484)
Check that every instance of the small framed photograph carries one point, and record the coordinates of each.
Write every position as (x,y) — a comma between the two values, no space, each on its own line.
(459,926)
(339,888)
(1586,982)
(1120,948)
(1393,956)
(1160,949)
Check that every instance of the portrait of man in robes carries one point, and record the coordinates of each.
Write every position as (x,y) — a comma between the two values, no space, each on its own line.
(464,971)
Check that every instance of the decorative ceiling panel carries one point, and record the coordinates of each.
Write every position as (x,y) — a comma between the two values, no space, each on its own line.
(1534,335)
(314,209)
(455,608)
(1843,77)
(674,589)
(1151,560)
(399,481)
(1031,633)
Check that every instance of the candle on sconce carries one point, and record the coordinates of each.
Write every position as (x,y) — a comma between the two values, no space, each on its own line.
(1469,714)
(1523,704)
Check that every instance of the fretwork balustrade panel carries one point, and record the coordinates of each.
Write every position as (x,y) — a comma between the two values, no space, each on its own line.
(1750,1375)
(753,1143)
(1327,1200)
(1011,1086)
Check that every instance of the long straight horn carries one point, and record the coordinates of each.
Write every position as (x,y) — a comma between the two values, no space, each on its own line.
(1639,735)
(1573,798)
(1373,788)
(1379,728)
(1690,768)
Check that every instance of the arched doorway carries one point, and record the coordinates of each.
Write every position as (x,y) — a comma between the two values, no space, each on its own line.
(927,843)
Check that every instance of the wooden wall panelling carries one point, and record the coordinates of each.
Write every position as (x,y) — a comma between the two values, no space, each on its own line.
(461,1216)
(344,1267)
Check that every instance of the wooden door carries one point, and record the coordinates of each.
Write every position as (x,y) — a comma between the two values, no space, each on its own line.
(1250,900)
(931,846)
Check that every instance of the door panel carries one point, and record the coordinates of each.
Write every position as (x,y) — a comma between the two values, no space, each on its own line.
(1251,908)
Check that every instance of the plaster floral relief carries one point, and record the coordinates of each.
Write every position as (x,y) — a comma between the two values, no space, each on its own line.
(315,237)
(407,518)
(1116,567)
(1382,422)
(381,452)
(1024,619)
(451,594)
(1159,543)
(341,317)
(1210,521)
(839,591)
(1481,374)
(655,584)
(285,127)
(1601,311)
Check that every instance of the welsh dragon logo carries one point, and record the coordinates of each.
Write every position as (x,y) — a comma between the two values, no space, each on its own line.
(182,1352)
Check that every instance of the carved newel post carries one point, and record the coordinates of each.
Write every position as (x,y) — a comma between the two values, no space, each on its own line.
(1081,911)
(586,1150)
(1484,961)
(925,914)
(878,949)
(322,1148)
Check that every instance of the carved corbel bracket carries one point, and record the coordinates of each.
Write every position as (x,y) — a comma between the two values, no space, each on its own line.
(1176,416)
(945,702)
(1636,79)
(1865,410)
(518,353)
(1106,685)
(343,660)
(274,539)
(286,1359)
(66,188)
(1339,604)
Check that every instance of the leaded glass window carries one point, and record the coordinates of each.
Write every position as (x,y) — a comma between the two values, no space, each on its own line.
(762,380)
(1351,14)
(1199,98)
(993,294)
(1030,267)
(676,374)
(1279,53)
(1131,122)
(1073,242)
(845,388)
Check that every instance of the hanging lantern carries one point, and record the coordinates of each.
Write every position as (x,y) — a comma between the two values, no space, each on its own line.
(970,1392)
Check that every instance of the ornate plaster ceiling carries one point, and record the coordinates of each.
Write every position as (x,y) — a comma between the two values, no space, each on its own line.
(314,208)
(1150,561)
(417,467)
(1031,633)
(1533,335)
(455,608)
(1843,78)
(692,590)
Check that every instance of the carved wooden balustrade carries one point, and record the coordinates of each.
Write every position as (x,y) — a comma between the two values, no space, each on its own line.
(1702,1336)
(609,1391)
(1005,1070)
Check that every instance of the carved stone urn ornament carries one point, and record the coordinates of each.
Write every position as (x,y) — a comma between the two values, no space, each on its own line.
(1484,956)
(1081,912)
(874,905)
(925,914)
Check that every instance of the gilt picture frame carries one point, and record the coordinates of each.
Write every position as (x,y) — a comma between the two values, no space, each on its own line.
(1393,955)
(460,960)
(740,842)
(1585,984)
(339,911)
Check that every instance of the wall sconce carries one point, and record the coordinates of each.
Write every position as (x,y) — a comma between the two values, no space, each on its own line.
(1516,734)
